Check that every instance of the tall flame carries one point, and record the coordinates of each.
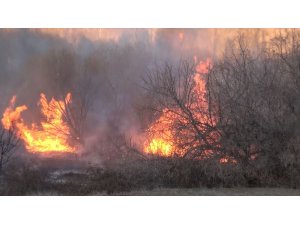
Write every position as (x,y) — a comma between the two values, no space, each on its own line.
(51,135)
(161,137)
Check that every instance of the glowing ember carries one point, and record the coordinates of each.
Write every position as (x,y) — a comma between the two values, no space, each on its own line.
(162,135)
(52,133)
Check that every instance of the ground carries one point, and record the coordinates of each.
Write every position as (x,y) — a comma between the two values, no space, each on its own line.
(202,192)
(218,192)
(146,178)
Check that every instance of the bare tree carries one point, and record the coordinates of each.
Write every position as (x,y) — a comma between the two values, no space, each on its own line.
(190,125)
(285,49)
(250,110)
(256,96)
(9,142)
(77,78)
(236,85)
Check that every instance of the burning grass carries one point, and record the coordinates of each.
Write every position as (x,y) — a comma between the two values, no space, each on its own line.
(51,135)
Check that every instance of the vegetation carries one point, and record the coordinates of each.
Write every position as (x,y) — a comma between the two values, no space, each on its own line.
(236,124)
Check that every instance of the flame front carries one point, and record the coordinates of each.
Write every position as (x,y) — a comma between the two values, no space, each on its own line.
(161,135)
(51,135)
(161,138)
(159,146)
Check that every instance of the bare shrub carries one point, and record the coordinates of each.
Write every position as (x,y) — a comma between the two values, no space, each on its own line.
(9,143)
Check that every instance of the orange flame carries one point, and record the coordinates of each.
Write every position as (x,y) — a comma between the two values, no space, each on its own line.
(161,137)
(52,133)
(161,141)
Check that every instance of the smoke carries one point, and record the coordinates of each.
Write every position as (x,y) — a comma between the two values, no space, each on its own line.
(55,61)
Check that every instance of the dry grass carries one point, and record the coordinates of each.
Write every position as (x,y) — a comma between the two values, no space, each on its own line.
(196,192)
(216,192)
(146,177)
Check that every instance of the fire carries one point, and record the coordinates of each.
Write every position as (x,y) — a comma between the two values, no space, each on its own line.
(161,140)
(159,146)
(51,135)
(162,135)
